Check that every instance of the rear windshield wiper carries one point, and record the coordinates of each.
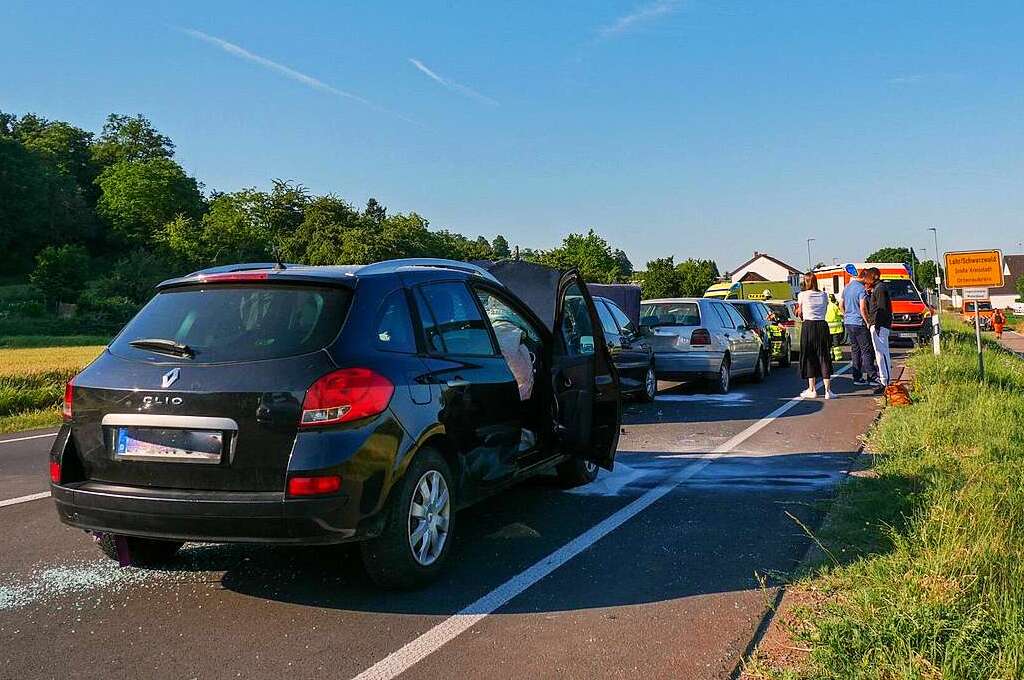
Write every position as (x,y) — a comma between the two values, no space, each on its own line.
(164,346)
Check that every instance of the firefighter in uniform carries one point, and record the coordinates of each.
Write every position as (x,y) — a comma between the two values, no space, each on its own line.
(834,317)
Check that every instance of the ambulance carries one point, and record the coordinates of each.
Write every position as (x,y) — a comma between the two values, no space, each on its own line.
(911,317)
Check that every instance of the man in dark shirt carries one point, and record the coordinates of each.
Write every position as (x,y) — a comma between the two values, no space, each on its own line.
(880,318)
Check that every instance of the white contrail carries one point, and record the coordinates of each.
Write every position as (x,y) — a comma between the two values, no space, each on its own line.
(451,84)
(642,14)
(309,81)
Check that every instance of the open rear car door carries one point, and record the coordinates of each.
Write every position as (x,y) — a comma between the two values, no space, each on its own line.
(585,386)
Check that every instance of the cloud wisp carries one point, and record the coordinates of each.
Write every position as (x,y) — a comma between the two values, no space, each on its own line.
(451,84)
(309,81)
(640,16)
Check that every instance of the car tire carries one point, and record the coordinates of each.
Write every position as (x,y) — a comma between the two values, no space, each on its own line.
(787,356)
(576,472)
(650,386)
(760,372)
(721,385)
(142,552)
(396,559)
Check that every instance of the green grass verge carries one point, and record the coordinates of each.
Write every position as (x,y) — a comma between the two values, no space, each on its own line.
(926,576)
(23,341)
(30,420)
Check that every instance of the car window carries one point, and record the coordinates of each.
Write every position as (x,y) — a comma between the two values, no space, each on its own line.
(737,319)
(780,311)
(625,324)
(393,326)
(577,328)
(607,322)
(747,312)
(225,323)
(499,312)
(655,314)
(723,316)
(457,320)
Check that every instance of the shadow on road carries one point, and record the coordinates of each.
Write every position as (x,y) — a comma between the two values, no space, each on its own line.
(714,533)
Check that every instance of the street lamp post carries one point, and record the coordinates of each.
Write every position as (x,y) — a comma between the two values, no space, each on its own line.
(810,265)
(936,325)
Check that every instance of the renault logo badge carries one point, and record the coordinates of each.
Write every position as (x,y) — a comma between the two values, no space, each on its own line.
(169,377)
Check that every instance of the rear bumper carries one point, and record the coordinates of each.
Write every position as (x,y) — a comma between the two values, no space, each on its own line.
(687,365)
(264,517)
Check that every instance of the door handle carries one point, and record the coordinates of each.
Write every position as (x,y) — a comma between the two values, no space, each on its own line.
(457,383)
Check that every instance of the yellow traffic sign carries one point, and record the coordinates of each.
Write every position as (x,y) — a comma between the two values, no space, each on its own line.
(974,269)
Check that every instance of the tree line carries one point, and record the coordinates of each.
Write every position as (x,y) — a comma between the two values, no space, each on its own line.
(98,219)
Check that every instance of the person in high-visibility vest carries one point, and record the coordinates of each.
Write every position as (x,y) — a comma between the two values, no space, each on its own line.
(834,317)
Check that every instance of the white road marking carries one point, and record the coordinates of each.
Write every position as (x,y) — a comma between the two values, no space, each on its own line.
(429,642)
(23,439)
(24,499)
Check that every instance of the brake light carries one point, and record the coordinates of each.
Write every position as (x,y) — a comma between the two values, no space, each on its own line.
(314,486)
(69,393)
(235,276)
(55,471)
(701,336)
(344,395)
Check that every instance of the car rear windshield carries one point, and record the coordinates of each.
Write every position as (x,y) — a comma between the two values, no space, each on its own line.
(670,314)
(226,323)
(902,289)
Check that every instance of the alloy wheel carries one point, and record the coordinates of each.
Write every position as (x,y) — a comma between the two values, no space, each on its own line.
(723,377)
(429,514)
(651,383)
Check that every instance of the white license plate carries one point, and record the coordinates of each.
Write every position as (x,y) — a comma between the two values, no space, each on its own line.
(186,446)
(906,335)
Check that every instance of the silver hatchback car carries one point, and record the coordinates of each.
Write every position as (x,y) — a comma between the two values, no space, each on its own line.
(701,338)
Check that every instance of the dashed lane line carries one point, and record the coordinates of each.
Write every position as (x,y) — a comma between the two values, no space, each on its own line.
(24,499)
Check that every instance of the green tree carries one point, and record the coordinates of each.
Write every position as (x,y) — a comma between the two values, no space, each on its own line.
(499,246)
(1020,287)
(139,197)
(661,279)
(243,226)
(588,252)
(695,276)
(375,211)
(924,274)
(134,276)
(60,272)
(892,254)
(625,266)
(129,139)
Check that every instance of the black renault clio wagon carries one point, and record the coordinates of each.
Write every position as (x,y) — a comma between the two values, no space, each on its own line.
(313,405)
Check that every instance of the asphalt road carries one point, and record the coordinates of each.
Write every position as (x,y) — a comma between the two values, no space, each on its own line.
(653,571)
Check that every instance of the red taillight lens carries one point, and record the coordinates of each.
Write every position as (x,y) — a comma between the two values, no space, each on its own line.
(69,391)
(700,337)
(55,472)
(348,394)
(313,486)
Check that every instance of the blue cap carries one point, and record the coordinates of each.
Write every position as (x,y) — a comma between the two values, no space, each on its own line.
(850,269)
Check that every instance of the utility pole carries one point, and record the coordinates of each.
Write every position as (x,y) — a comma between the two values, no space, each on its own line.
(936,320)
(810,265)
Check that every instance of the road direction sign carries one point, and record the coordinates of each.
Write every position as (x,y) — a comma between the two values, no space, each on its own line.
(975,293)
(974,269)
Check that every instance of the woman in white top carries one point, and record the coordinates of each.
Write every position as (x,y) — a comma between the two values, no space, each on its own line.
(815,339)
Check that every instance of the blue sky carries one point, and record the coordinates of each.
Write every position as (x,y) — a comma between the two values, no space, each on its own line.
(699,129)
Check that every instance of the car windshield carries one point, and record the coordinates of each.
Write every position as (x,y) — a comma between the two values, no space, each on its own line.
(902,289)
(236,323)
(983,306)
(670,314)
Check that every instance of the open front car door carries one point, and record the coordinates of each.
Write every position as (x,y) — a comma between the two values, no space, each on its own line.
(586,387)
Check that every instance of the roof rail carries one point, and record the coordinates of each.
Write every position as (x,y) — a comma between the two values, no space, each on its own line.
(391,266)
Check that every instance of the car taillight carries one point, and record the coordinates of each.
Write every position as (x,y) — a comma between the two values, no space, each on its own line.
(700,337)
(55,471)
(314,486)
(69,393)
(787,324)
(344,395)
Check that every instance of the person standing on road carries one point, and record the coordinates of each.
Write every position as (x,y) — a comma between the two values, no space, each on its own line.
(834,318)
(855,317)
(815,340)
(880,320)
(998,322)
